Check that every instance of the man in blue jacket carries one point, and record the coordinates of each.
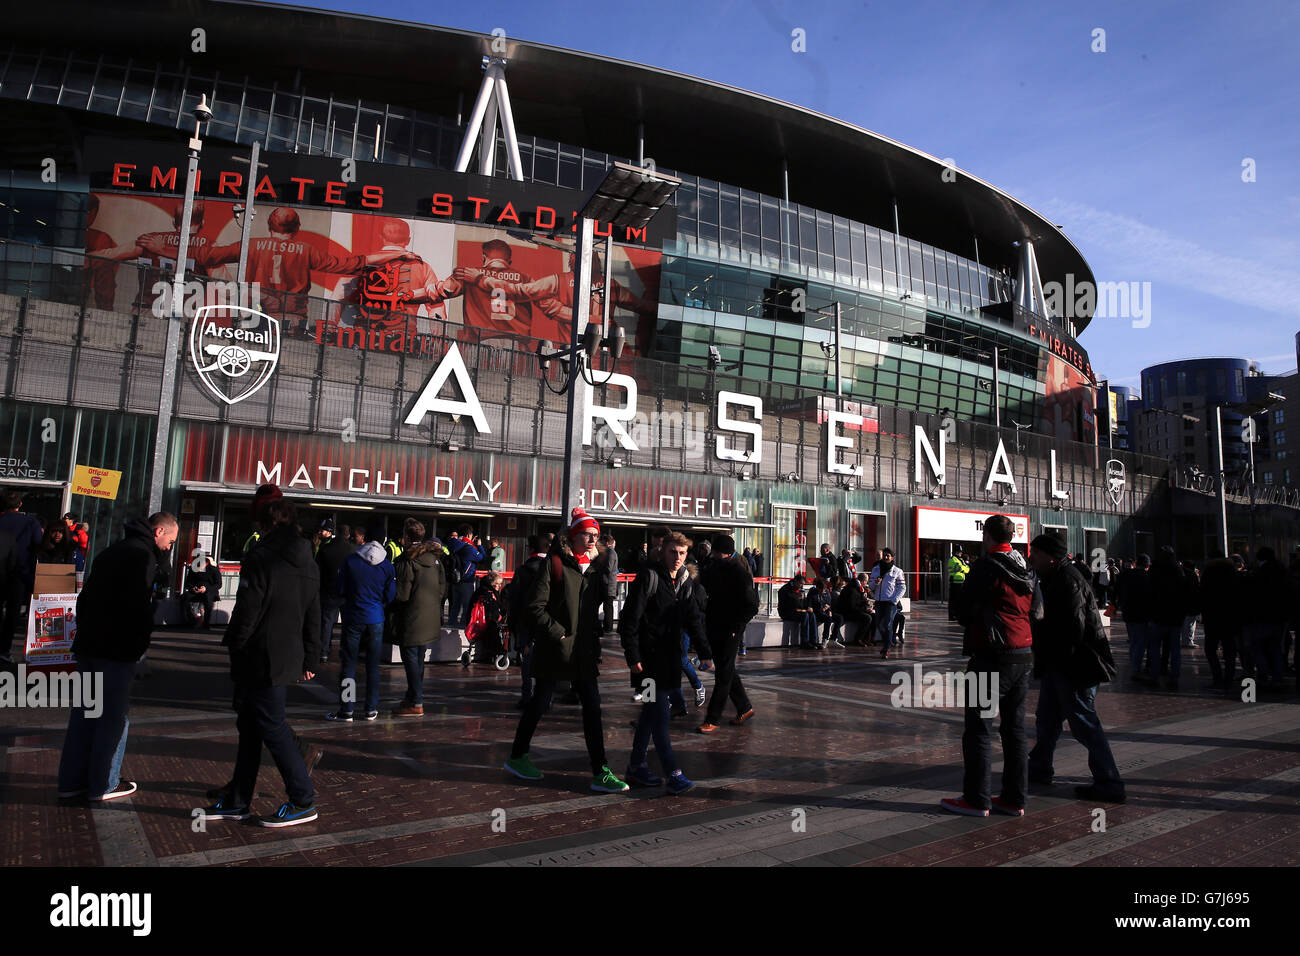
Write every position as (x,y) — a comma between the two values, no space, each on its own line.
(466,553)
(368,583)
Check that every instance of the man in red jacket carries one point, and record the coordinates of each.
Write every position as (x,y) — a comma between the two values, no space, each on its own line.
(996,607)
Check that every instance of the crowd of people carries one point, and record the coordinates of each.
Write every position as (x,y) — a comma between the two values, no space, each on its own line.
(685,612)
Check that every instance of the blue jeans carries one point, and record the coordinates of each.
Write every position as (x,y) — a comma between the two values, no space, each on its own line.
(94,746)
(1059,701)
(886,611)
(653,722)
(261,721)
(1012,671)
(353,635)
(687,667)
(462,597)
(413,662)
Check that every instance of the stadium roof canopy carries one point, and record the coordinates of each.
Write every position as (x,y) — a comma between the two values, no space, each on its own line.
(581,99)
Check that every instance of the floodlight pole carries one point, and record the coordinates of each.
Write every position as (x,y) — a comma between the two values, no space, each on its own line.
(167,394)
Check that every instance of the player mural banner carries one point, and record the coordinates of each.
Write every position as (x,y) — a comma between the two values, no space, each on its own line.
(392,284)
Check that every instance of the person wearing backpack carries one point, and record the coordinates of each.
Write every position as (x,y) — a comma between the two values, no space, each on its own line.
(465,558)
(661,605)
(1071,659)
(417,613)
(520,630)
(562,607)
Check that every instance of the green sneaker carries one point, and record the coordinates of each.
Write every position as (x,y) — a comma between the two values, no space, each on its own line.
(606,782)
(522,767)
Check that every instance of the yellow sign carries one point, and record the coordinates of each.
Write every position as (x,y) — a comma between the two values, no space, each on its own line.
(95,482)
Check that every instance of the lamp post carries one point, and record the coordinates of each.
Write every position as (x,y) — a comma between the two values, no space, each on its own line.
(166,399)
(628,197)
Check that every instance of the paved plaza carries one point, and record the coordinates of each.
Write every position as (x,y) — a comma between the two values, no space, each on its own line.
(828,773)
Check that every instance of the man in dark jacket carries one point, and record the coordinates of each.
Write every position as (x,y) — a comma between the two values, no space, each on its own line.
(733,602)
(9,577)
(1223,595)
(563,610)
(996,605)
(1267,609)
(855,606)
(466,554)
(792,607)
(274,640)
(660,607)
(204,585)
(1169,592)
(368,584)
(334,550)
(1067,642)
(1135,607)
(539,545)
(417,615)
(26,532)
(114,625)
(605,567)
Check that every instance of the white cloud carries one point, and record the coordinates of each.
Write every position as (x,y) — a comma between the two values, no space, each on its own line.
(1153,255)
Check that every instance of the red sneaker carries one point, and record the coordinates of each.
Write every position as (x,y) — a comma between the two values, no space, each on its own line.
(959,805)
(1001,806)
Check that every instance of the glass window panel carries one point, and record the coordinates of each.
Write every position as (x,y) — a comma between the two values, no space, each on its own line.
(570,171)
(166,98)
(729,199)
(751,219)
(707,210)
(771,220)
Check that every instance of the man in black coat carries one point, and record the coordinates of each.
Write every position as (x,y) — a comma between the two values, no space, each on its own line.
(660,607)
(1135,607)
(1067,644)
(733,602)
(8,577)
(334,550)
(114,625)
(26,532)
(274,638)
(1222,598)
(204,585)
(1170,598)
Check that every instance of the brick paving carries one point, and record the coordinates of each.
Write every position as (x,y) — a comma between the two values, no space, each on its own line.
(829,773)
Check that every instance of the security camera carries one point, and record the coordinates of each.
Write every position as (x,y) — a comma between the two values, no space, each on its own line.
(202,112)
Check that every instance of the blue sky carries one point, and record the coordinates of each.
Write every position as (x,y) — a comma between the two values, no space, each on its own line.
(1136,151)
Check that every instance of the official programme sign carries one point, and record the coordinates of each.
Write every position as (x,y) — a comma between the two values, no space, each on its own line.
(95,482)
(944,524)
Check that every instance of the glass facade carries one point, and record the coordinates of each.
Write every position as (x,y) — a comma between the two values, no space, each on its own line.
(747,273)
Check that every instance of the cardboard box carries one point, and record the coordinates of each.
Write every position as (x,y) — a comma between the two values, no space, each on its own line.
(55,579)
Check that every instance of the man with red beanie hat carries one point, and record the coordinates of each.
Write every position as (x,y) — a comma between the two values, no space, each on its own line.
(562,610)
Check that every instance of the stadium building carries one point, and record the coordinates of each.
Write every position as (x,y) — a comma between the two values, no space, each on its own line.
(412,267)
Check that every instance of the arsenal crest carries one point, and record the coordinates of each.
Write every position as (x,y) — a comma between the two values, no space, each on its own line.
(1115,480)
(382,293)
(234,350)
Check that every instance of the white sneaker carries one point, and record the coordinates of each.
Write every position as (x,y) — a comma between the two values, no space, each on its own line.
(124,789)
(699,696)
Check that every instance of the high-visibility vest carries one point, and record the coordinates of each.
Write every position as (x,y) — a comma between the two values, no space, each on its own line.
(957,570)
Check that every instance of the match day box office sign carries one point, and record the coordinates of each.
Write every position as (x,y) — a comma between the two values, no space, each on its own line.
(95,482)
(55,579)
(51,629)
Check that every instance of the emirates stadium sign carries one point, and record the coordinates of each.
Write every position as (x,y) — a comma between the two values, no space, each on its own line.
(234,350)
